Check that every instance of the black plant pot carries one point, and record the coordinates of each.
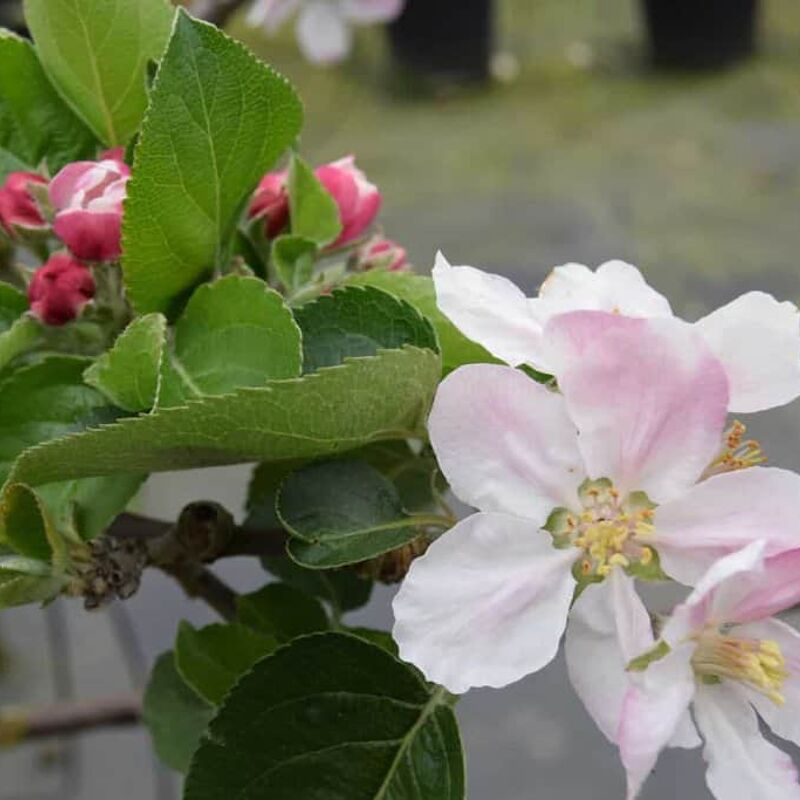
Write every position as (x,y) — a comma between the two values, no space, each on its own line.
(700,34)
(448,39)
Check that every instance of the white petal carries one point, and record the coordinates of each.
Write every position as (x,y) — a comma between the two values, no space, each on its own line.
(654,712)
(686,736)
(504,442)
(706,602)
(271,13)
(616,286)
(723,514)
(368,12)
(783,720)
(486,605)
(647,396)
(742,765)
(608,626)
(757,339)
(488,309)
(322,33)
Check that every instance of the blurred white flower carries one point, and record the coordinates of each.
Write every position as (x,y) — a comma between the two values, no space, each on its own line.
(324,27)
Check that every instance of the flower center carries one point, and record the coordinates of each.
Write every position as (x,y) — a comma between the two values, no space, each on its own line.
(607,529)
(736,453)
(757,663)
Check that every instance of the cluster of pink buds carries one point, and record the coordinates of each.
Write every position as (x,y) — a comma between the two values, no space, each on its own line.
(357,200)
(86,202)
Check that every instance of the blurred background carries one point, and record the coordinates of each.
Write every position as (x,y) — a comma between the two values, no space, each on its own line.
(513,135)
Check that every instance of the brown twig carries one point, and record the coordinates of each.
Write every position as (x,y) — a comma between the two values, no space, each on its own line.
(204,533)
(218,12)
(199,581)
(22,725)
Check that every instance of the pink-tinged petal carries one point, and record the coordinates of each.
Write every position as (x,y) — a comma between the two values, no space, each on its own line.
(616,287)
(761,594)
(368,12)
(322,33)
(367,209)
(653,712)
(783,720)
(757,339)
(490,310)
(647,396)
(90,235)
(63,186)
(707,601)
(742,765)
(486,605)
(504,442)
(608,626)
(723,514)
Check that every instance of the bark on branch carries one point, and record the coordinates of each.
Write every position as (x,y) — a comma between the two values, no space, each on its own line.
(21,725)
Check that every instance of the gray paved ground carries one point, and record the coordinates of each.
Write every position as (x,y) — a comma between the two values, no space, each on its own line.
(694,179)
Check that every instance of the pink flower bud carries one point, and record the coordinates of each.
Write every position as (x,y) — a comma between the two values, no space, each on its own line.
(358,200)
(271,202)
(87,197)
(380,253)
(18,208)
(60,289)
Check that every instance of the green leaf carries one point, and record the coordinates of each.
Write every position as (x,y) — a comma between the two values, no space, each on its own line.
(310,417)
(19,565)
(19,332)
(234,332)
(96,53)
(86,507)
(218,120)
(313,212)
(128,373)
(382,639)
(342,589)
(213,658)
(330,716)
(418,290)
(17,589)
(36,125)
(13,303)
(359,321)
(24,335)
(25,524)
(262,491)
(10,163)
(294,258)
(415,474)
(282,612)
(174,714)
(46,400)
(342,512)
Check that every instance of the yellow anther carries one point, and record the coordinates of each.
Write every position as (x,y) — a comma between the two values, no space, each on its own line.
(646,556)
(736,453)
(756,663)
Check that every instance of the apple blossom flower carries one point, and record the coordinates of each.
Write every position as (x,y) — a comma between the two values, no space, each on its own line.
(87,197)
(381,253)
(756,337)
(594,483)
(271,202)
(60,289)
(723,655)
(324,27)
(18,208)
(358,200)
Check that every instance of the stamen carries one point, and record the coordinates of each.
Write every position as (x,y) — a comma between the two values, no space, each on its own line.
(607,529)
(736,453)
(757,663)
